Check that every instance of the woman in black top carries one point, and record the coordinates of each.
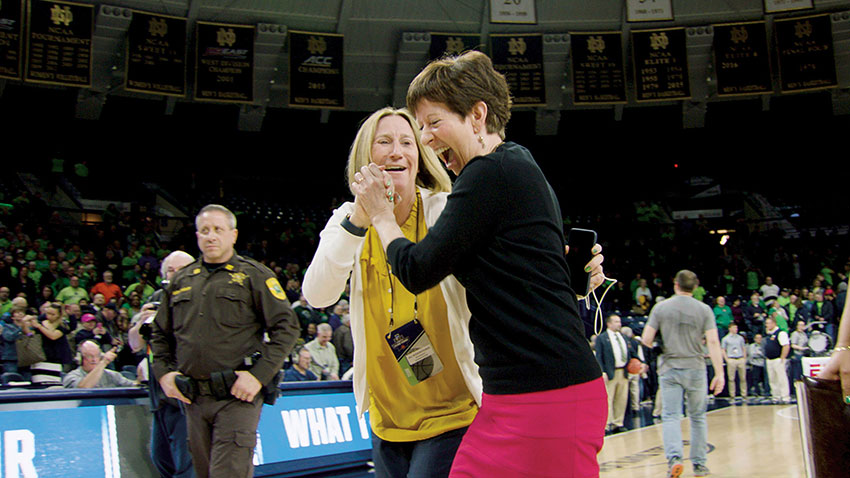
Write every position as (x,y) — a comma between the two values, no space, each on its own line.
(54,330)
(544,408)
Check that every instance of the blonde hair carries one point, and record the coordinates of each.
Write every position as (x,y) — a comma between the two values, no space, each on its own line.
(430,175)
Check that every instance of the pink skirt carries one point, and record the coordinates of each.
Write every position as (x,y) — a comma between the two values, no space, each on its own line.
(556,433)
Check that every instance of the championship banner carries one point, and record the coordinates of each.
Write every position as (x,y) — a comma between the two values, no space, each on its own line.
(661,64)
(11,33)
(59,46)
(598,71)
(520,58)
(452,44)
(315,70)
(805,51)
(741,59)
(156,55)
(224,62)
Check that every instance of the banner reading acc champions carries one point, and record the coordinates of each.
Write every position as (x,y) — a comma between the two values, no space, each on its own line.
(59,46)
(11,33)
(315,70)
(156,54)
(224,62)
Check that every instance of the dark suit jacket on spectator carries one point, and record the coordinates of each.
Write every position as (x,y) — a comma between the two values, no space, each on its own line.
(605,353)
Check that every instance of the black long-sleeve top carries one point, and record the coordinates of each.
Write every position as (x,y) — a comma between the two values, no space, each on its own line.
(501,235)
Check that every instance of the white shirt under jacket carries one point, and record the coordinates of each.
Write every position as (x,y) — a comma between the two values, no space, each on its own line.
(339,253)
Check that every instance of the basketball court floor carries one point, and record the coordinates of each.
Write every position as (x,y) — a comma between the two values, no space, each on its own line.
(749,441)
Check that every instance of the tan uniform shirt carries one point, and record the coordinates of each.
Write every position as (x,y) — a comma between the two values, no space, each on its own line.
(209,321)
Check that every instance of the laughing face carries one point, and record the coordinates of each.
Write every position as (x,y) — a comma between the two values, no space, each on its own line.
(394,148)
(451,136)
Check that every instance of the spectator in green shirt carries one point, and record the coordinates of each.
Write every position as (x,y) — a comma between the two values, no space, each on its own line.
(141,287)
(722,315)
(73,293)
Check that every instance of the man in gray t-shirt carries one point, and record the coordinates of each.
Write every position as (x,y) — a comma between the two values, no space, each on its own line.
(682,322)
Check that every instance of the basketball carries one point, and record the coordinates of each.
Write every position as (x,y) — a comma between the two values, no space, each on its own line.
(634,366)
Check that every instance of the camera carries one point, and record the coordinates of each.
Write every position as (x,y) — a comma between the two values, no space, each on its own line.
(145,329)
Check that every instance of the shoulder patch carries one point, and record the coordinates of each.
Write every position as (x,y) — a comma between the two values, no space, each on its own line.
(275,288)
(229,267)
(196,271)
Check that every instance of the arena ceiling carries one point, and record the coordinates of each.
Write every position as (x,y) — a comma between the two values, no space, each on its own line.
(386,44)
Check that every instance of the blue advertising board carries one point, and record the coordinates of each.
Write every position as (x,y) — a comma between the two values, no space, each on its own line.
(104,433)
(72,443)
(309,426)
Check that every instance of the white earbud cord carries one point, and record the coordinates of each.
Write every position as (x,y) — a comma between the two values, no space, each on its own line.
(597,316)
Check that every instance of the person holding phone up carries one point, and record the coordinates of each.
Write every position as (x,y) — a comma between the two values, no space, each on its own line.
(501,236)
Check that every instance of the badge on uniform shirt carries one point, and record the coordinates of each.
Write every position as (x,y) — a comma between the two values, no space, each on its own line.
(275,288)
(238,278)
(413,351)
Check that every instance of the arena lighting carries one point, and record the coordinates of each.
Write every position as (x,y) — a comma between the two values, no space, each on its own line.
(724,239)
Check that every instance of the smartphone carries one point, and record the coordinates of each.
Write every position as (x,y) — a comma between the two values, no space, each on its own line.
(581,242)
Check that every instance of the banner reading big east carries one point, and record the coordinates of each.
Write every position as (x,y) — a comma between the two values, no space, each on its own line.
(315,70)
(224,62)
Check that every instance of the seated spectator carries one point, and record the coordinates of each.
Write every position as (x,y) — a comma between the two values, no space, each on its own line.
(92,372)
(754,313)
(722,316)
(134,305)
(5,302)
(769,289)
(325,363)
(23,285)
(97,302)
(13,324)
(142,287)
(300,370)
(110,290)
(109,317)
(643,291)
(93,330)
(335,317)
(73,293)
(344,343)
(45,296)
(822,311)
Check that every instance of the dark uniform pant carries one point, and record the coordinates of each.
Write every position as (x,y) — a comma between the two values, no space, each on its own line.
(169,444)
(222,436)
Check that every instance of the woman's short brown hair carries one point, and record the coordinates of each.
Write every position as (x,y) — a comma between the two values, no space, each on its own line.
(460,82)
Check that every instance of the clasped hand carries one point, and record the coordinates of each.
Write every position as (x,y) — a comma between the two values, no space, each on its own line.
(373,190)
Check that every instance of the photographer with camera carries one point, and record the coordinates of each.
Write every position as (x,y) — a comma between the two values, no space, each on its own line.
(169,439)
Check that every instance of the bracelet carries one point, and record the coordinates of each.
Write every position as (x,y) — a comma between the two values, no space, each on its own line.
(348,226)
(841,349)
